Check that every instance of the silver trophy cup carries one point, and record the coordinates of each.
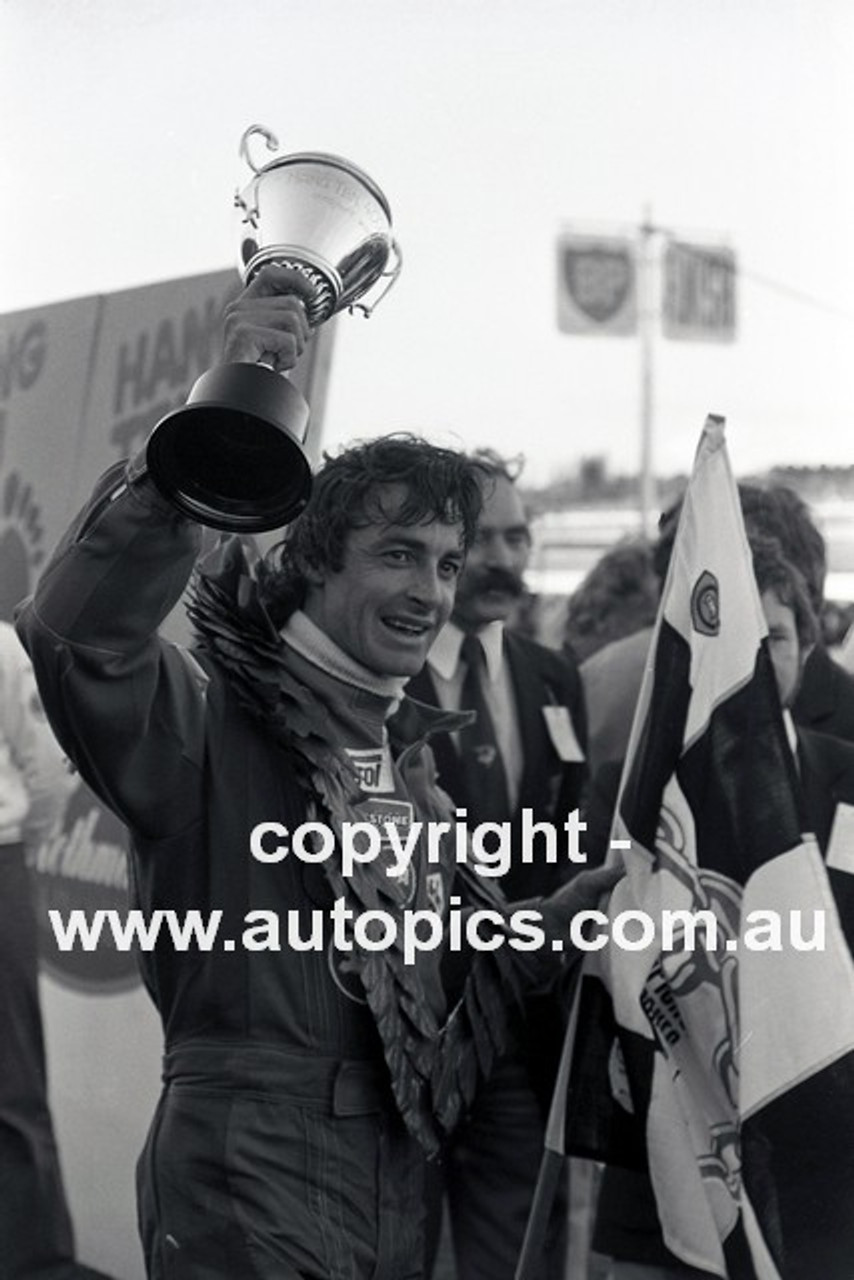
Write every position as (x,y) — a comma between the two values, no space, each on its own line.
(232,457)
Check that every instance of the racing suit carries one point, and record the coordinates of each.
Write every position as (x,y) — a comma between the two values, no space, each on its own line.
(302,1086)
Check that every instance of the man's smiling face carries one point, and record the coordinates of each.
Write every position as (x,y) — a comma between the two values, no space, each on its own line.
(393,593)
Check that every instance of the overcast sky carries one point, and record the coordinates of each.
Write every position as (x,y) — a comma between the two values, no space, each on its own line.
(490,125)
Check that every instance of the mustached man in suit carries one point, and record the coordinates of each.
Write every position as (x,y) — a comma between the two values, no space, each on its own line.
(521,762)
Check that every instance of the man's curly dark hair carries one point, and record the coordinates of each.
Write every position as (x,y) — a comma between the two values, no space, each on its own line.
(351,491)
(770,511)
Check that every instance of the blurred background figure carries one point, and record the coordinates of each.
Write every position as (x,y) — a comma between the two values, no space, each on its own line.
(36,1238)
(524,752)
(844,652)
(627,1230)
(825,700)
(618,597)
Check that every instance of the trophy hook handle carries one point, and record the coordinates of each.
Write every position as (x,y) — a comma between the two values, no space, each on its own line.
(271,140)
(390,276)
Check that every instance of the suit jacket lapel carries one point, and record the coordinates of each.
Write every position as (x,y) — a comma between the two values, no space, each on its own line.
(818,780)
(445,753)
(817,694)
(532,694)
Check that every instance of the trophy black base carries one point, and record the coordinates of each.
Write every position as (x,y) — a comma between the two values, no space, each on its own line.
(231,458)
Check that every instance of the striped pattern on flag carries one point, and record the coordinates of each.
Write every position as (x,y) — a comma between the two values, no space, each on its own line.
(726,1069)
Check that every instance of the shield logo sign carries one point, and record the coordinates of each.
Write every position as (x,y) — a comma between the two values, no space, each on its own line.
(596,287)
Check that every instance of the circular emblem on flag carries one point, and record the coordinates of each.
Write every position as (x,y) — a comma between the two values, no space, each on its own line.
(705,605)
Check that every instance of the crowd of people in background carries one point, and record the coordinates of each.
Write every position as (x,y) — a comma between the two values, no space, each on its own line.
(479,1192)
(312,1115)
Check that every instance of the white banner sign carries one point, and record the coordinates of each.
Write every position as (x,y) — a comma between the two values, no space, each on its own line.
(699,293)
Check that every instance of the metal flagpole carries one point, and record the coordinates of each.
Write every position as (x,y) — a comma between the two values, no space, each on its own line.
(646,332)
(553,1160)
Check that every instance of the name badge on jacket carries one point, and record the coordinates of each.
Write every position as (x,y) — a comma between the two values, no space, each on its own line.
(562,734)
(840,846)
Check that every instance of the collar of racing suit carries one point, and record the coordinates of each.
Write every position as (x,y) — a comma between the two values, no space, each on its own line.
(434,1060)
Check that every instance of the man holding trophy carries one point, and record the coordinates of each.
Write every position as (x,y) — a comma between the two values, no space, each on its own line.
(308,1069)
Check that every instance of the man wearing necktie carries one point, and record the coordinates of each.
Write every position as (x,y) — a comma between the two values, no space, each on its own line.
(483,776)
(524,752)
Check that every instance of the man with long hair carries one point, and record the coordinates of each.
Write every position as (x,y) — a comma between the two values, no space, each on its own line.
(311,1059)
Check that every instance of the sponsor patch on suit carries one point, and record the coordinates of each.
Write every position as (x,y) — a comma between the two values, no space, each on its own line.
(373,766)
